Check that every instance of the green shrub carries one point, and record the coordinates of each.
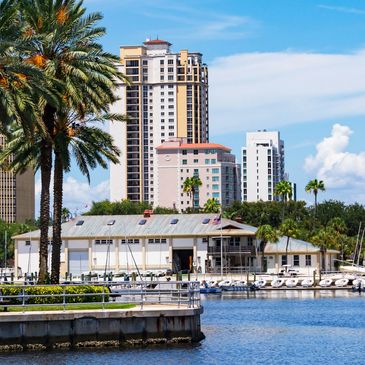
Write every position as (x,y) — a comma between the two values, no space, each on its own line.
(53,291)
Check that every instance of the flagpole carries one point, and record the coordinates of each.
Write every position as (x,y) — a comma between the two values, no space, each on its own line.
(220,218)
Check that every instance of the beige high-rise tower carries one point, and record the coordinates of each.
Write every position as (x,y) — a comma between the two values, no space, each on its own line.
(17,195)
(167,98)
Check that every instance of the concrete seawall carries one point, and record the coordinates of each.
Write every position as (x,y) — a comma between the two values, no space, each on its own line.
(55,329)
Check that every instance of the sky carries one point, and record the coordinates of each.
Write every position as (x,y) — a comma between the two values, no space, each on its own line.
(297,66)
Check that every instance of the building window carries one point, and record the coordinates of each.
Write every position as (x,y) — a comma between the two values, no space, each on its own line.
(215,195)
(215,187)
(284,260)
(296,260)
(184,162)
(196,160)
(207,161)
(196,152)
(184,152)
(215,171)
(134,241)
(308,260)
(103,242)
(213,161)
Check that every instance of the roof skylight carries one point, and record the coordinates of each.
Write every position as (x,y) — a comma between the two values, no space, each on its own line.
(174,221)
(79,223)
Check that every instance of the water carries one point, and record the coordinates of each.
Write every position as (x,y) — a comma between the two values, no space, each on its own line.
(279,328)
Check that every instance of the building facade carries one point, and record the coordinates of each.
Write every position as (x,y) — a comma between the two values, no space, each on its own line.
(17,195)
(167,97)
(262,165)
(201,243)
(213,163)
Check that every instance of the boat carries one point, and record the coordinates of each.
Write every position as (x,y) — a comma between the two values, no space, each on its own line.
(260,283)
(239,283)
(291,283)
(340,283)
(359,282)
(307,283)
(325,283)
(225,283)
(210,290)
(277,283)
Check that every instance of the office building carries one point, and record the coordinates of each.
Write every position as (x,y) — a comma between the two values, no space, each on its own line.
(167,97)
(211,162)
(17,195)
(262,165)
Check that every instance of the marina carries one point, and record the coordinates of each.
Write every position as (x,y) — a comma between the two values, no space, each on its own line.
(263,327)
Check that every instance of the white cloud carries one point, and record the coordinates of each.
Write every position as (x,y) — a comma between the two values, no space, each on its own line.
(343,9)
(78,195)
(269,90)
(334,165)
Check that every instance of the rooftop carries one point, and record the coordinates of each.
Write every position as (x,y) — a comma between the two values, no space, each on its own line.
(152,42)
(186,146)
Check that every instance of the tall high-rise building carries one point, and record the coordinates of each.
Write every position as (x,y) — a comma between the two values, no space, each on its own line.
(167,97)
(17,195)
(262,165)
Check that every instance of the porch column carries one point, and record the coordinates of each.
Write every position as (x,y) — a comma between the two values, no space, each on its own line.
(90,255)
(144,254)
(66,256)
(116,253)
(170,254)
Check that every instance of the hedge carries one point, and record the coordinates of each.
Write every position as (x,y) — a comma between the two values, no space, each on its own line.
(50,291)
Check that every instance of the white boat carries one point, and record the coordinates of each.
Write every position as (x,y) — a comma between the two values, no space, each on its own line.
(325,283)
(341,282)
(239,283)
(225,283)
(277,283)
(357,282)
(291,283)
(260,283)
(353,269)
(212,283)
(307,283)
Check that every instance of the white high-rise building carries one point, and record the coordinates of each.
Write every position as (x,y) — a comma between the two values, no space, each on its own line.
(262,165)
(167,97)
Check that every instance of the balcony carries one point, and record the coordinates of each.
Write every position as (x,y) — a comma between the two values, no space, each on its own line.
(248,250)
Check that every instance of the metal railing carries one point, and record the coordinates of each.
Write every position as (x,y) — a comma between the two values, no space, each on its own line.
(232,249)
(176,293)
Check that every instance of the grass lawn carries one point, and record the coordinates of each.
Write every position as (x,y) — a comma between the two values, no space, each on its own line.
(70,307)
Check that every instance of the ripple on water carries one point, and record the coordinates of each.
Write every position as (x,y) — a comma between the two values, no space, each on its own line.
(306,329)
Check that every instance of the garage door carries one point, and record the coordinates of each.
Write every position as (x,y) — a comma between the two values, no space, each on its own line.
(78,262)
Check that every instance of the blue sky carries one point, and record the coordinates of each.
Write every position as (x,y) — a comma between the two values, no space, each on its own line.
(293,65)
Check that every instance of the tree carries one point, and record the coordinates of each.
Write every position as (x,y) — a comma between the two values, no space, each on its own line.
(288,228)
(190,186)
(284,190)
(315,186)
(338,226)
(64,47)
(66,214)
(212,206)
(265,234)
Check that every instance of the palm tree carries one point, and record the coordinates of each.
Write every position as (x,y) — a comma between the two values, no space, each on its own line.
(91,147)
(288,228)
(196,183)
(284,189)
(315,186)
(212,206)
(188,187)
(265,234)
(66,214)
(339,228)
(64,48)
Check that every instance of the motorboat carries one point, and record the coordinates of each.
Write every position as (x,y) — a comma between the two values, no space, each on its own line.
(278,283)
(260,283)
(212,283)
(210,290)
(225,283)
(307,283)
(325,283)
(291,283)
(358,283)
(340,283)
(239,283)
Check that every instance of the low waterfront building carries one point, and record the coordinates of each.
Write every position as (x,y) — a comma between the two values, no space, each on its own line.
(302,256)
(211,162)
(164,242)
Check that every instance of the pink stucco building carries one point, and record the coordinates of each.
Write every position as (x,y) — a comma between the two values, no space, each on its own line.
(212,162)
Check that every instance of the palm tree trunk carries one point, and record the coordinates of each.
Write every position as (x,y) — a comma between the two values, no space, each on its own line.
(286,252)
(46,172)
(315,203)
(263,256)
(57,218)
